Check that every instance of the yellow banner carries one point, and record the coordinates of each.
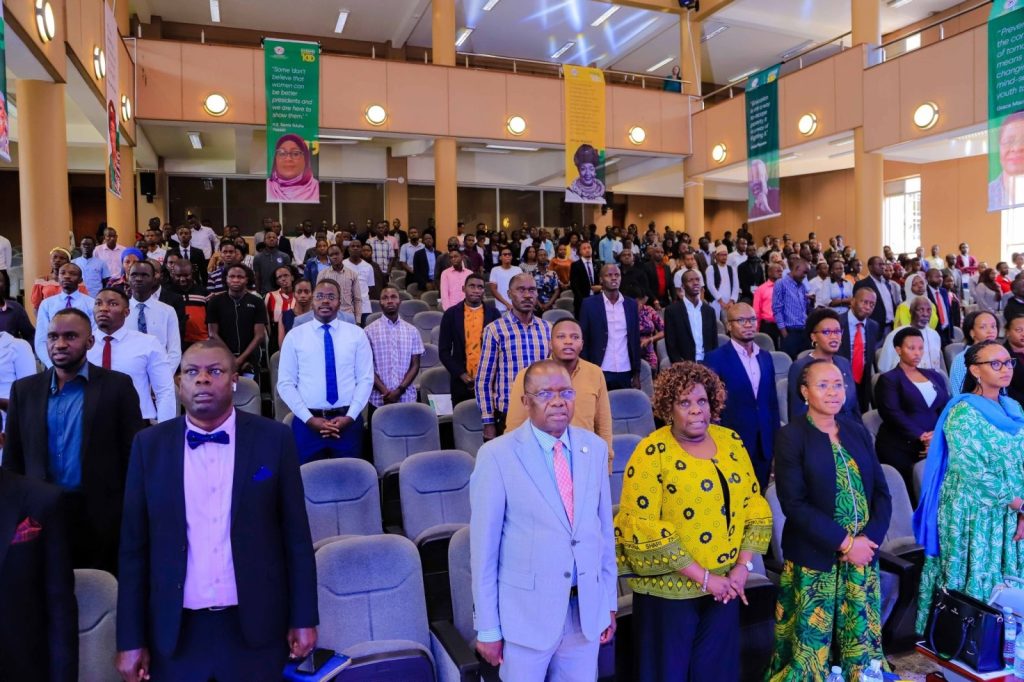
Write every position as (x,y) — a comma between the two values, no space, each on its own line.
(584,135)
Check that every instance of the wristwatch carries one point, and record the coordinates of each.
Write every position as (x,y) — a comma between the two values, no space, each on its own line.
(749,566)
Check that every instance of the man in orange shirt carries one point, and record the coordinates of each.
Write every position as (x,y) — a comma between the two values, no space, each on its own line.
(462,330)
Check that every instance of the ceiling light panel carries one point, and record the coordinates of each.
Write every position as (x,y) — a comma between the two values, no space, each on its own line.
(342,20)
(563,49)
(605,16)
(215,11)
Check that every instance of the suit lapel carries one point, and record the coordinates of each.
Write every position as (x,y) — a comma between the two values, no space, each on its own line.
(10,511)
(736,367)
(581,472)
(177,474)
(532,460)
(244,444)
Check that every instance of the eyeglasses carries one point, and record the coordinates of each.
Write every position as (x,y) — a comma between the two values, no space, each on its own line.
(824,386)
(829,332)
(997,365)
(289,154)
(548,396)
(325,297)
(744,321)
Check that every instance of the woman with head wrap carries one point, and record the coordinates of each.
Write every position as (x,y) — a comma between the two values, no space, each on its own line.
(292,178)
(586,187)
(914,286)
(130,257)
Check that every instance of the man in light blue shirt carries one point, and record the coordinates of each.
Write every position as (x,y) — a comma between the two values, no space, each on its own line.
(70,276)
(606,247)
(95,271)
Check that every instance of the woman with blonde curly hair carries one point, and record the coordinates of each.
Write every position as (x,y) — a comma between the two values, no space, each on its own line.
(691,519)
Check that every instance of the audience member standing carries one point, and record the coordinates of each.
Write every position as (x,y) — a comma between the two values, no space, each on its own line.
(266,263)
(860,341)
(583,278)
(690,329)
(511,343)
(500,278)
(661,293)
(95,272)
(592,408)
(825,332)
(218,579)
(349,283)
(194,297)
(16,362)
(885,304)
(381,249)
(424,263)
(73,425)
(1014,346)
(228,255)
(239,319)
(751,275)
(39,618)
(397,348)
(471,255)
(13,318)
(328,389)
(763,303)
(110,252)
(149,316)
(789,305)
(611,332)
(453,280)
(462,329)
(548,288)
(722,282)
(319,261)
(69,297)
(367,276)
(193,254)
(939,296)
(752,406)
(551,626)
(203,237)
(140,356)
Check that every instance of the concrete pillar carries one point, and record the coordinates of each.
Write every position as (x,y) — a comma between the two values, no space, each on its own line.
(689,53)
(693,205)
(446,211)
(868,171)
(443,32)
(396,194)
(42,174)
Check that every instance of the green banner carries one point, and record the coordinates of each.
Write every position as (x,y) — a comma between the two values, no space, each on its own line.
(762,97)
(1006,105)
(292,72)
(5,127)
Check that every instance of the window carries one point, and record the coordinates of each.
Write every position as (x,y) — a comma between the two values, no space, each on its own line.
(902,215)
(247,204)
(203,197)
(518,205)
(1013,232)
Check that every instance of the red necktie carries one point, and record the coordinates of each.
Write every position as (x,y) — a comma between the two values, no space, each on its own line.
(858,353)
(106,351)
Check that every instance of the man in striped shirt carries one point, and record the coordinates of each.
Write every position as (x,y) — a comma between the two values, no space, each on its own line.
(511,343)
(789,304)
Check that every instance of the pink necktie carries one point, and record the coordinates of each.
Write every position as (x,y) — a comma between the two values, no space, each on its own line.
(564,479)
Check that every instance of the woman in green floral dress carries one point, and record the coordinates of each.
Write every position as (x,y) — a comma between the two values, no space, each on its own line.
(833,493)
(969,518)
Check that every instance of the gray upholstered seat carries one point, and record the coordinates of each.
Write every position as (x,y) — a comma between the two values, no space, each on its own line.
(631,412)
(467,427)
(426,322)
(623,444)
(342,498)
(96,592)
(400,430)
(247,396)
(435,493)
(407,310)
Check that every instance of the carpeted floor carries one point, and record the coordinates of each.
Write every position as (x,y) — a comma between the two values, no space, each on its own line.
(911,665)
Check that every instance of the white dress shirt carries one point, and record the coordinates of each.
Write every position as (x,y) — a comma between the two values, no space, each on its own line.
(616,354)
(300,245)
(696,327)
(206,239)
(727,290)
(750,363)
(161,322)
(112,257)
(16,362)
(6,253)
(736,259)
(930,359)
(302,374)
(50,307)
(367,277)
(141,357)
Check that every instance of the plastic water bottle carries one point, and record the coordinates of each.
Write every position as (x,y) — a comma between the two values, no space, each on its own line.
(836,675)
(873,673)
(1018,663)
(1009,636)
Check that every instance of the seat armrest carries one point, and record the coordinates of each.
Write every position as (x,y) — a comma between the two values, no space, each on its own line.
(896,565)
(461,654)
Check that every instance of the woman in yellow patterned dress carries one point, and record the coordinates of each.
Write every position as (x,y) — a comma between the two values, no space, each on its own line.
(690,520)
(833,493)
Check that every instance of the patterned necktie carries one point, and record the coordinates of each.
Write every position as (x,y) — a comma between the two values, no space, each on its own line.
(106,351)
(68,304)
(142,318)
(564,479)
(940,306)
(858,353)
(330,369)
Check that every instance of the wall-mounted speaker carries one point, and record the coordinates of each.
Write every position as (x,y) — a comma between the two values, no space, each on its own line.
(147,183)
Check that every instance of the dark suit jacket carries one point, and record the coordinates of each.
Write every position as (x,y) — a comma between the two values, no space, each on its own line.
(943,294)
(878,314)
(172,298)
(740,404)
(594,324)
(110,422)
(679,339)
(39,616)
(580,284)
(652,284)
(750,272)
(905,415)
(805,479)
(872,338)
(421,268)
(271,545)
(451,344)
(1016,388)
(198,260)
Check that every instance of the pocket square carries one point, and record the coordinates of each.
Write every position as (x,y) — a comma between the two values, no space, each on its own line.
(28,530)
(262,474)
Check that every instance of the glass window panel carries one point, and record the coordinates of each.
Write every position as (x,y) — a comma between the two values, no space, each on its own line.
(477,205)
(247,204)
(557,213)
(203,197)
(358,202)
(518,205)
(421,205)
(1013,232)
(295,214)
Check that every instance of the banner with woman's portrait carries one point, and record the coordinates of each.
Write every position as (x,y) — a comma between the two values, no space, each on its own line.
(5,126)
(111,53)
(1006,105)
(762,97)
(584,135)
(292,71)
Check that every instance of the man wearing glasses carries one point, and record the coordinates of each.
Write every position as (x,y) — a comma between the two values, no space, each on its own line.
(749,376)
(325,378)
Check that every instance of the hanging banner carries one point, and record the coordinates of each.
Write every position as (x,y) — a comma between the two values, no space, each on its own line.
(584,135)
(292,72)
(763,145)
(1006,105)
(111,53)
(5,127)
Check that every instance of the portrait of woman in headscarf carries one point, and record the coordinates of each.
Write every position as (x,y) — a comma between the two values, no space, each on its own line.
(586,188)
(292,178)
(114,160)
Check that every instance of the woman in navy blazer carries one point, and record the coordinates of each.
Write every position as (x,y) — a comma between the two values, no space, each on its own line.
(910,400)
(833,493)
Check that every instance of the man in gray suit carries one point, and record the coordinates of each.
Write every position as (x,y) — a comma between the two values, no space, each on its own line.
(542,544)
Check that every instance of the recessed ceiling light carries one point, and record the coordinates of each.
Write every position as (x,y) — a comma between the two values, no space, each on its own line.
(215,11)
(737,79)
(718,31)
(483,150)
(789,54)
(637,135)
(516,125)
(376,114)
(719,152)
(660,64)
(838,155)
(926,115)
(490,5)
(604,17)
(196,140)
(807,124)
(896,4)
(513,149)
(215,104)
(841,143)
(357,138)
(563,49)
(342,20)
(789,157)
(463,36)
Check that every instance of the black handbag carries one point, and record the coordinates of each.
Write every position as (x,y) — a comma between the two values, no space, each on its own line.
(962,628)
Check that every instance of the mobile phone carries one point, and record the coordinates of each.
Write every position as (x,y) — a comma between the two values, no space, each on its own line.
(315,660)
